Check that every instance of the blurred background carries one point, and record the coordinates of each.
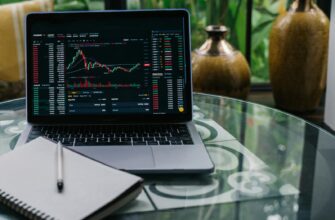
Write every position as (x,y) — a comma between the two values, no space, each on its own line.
(249,23)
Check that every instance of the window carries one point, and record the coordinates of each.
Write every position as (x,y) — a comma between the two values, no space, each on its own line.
(249,21)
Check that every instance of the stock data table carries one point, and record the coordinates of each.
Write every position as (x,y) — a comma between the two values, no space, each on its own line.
(269,165)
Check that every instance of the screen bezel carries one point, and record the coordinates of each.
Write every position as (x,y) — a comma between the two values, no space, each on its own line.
(33,18)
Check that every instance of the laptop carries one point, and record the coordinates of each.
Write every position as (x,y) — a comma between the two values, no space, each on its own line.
(115,86)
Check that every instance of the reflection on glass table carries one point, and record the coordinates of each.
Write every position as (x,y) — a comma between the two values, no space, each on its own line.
(269,165)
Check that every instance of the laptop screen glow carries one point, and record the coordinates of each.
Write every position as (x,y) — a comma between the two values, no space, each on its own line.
(100,67)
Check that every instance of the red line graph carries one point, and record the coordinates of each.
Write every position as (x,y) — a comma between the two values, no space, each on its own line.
(95,64)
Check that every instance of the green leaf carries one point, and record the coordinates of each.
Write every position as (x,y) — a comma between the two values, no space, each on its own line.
(260,33)
(71,6)
(2,2)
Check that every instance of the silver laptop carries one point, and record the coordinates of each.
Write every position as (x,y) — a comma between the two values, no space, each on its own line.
(115,86)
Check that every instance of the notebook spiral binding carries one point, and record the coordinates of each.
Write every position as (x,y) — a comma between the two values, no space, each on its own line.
(22,208)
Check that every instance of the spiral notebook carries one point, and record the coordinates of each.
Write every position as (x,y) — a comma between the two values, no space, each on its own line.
(91,190)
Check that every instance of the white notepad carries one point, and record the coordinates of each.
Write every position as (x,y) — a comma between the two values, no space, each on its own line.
(91,189)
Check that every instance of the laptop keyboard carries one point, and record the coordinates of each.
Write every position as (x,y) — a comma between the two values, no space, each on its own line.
(132,135)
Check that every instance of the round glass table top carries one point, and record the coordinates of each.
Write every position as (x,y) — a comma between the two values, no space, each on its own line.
(268,165)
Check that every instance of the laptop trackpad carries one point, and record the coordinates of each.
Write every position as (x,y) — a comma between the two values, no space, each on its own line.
(129,158)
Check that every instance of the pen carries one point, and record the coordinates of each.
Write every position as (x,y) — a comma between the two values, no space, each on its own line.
(60,180)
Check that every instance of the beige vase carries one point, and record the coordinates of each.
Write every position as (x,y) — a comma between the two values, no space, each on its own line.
(298,56)
(218,68)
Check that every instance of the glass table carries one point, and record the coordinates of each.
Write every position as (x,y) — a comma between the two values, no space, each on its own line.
(269,165)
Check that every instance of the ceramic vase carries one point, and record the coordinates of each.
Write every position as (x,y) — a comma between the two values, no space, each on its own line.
(218,68)
(298,56)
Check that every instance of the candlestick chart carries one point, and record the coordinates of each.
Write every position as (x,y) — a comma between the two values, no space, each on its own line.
(81,62)
(104,66)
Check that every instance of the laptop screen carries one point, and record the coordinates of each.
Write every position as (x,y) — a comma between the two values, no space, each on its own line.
(108,64)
